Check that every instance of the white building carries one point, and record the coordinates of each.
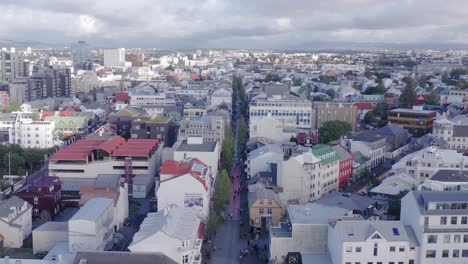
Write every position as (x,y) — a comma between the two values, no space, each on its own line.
(454,131)
(15,221)
(186,184)
(371,242)
(29,133)
(370,146)
(195,147)
(194,112)
(439,221)
(290,111)
(310,175)
(446,180)
(424,163)
(175,232)
(114,57)
(47,235)
(221,96)
(211,128)
(92,227)
(272,128)
(259,159)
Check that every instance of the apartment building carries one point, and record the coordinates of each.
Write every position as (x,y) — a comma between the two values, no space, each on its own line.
(290,111)
(48,82)
(446,180)
(29,133)
(12,66)
(423,164)
(211,128)
(194,112)
(310,175)
(346,165)
(259,160)
(454,131)
(439,221)
(372,147)
(15,221)
(331,111)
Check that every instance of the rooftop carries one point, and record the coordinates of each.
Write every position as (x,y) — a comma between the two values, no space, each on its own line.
(450,176)
(51,226)
(314,213)
(113,257)
(93,209)
(206,146)
(411,111)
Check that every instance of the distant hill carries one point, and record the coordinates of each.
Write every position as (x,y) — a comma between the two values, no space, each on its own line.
(5,43)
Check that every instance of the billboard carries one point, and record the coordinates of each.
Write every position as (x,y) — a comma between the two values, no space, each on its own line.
(193,200)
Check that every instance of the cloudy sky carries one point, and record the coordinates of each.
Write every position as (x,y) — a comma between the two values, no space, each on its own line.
(234,23)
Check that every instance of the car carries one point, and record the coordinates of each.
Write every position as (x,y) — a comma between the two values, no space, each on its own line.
(41,254)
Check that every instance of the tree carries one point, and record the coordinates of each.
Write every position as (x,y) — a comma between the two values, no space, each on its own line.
(433,98)
(330,92)
(407,97)
(169,68)
(389,95)
(379,89)
(222,191)
(409,80)
(381,110)
(16,163)
(242,133)
(228,148)
(333,130)
(212,223)
(369,118)
(272,77)
(293,139)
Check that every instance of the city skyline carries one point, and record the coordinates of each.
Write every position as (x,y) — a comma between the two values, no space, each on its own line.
(237,24)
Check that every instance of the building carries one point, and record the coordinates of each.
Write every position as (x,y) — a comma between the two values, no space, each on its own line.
(114,57)
(91,228)
(423,164)
(196,147)
(393,186)
(439,221)
(305,231)
(48,82)
(446,180)
(86,159)
(290,111)
(7,120)
(259,160)
(346,165)
(112,257)
(372,147)
(4,100)
(396,136)
(29,133)
(80,53)
(123,120)
(194,112)
(69,126)
(271,128)
(45,196)
(453,131)
(19,90)
(15,221)
(210,127)
(12,66)
(419,122)
(371,242)
(221,96)
(186,184)
(265,208)
(161,128)
(331,111)
(47,235)
(137,59)
(309,175)
(176,232)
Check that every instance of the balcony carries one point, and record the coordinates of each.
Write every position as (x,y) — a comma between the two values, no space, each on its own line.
(197,259)
(198,244)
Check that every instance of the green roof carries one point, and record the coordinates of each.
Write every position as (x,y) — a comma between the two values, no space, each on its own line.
(68,121)
(323,149)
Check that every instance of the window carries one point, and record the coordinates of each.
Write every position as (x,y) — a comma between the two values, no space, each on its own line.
(349,249)
(445,253)
(443,220)
(432,239)
(453,220)
(376,249)
(465,238)
(446,239)
(260,210)
(269,210)
(401,249)
(358,249)
(456,253)
(261,201)
(36,201)
(464,220)
(270,202)
(392,249)
(430,253)
(185,259)
(456,238)
(465,253)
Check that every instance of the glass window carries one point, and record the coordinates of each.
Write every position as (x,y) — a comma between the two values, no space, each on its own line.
(432,239)
(358,249)
(453,220)
(392,249)
(443,220)
(446,239)
(349,249)
(445,253)
(464,253)
(456,238)
(464,220)
(456,253)
(430,253)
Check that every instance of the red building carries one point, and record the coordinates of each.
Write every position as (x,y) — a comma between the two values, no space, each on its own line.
(45,195)
(346,165)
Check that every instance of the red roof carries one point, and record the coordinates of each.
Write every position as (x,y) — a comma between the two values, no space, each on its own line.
(121,96)
(364,106)
(185,167)
(116,147)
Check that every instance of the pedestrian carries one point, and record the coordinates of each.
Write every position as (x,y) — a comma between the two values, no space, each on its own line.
(265,247)
(214,248)
(248,243)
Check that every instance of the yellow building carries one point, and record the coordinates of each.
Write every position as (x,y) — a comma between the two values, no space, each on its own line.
(265,208)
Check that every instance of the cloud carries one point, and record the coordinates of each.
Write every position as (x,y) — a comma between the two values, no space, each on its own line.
(234,23)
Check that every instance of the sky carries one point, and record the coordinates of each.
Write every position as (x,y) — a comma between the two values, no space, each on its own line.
(276,24)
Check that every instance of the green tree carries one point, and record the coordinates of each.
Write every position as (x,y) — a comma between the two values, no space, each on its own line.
(16,163)
(242,133)
(381,110)
(379,89)
(333,130)
(370,118)
(433,98)
(212,223)
(228,148)
(330,92)
(169,68)
(389,95)
(407,97)
(272,77)
(12,107)
(222,191)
